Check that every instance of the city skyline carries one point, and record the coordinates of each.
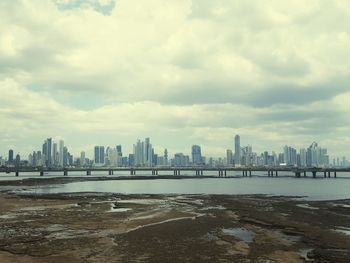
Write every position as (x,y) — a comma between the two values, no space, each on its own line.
(58,154)
(182,72)
(219,151)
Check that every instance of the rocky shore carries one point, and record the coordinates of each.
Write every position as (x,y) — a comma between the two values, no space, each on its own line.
(95,227)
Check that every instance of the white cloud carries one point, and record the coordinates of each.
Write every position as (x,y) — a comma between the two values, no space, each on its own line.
(114,73)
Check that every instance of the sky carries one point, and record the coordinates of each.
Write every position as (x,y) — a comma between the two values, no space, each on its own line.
(182,72)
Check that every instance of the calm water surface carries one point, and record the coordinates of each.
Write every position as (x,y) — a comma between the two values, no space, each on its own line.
(312,189)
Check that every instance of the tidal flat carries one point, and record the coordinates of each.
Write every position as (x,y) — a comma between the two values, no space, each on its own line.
(109,227)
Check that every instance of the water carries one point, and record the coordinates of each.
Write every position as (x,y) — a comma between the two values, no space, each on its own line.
(52,174)
(311,189)
(240,233)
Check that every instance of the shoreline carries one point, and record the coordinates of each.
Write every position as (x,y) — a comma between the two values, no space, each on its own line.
(48,180)
(95,227)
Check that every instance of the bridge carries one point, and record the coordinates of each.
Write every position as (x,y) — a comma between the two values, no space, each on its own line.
(198,171)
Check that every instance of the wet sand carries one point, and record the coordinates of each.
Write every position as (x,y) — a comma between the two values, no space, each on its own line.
(95,227)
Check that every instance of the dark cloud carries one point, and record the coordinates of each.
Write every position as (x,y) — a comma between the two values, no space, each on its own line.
(297,95)
(239,93)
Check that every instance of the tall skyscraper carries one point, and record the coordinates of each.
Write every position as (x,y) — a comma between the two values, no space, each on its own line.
(54,155)
(65,157)
(196,155)
(18,160)
(303,157)
(143,153)
(102,154)
(97,154)
(60,152)
(139,153)
(229,157)
(119,150)
(82,159)
(49,151)
(10,159)
(237,150)
(119,155)
(166,160)
(148,153)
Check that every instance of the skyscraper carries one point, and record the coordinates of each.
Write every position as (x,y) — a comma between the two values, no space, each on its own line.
(10,159)
(148,156)
(102,154)
(49,151)
(196,155)
(302,157)
(97,154)
(166,157)
(65,157)
(139,153)
(18,160)
(119,155)
(82,158)
(60,152)
(237,150)
(229,157)
(54,155)
(119,150)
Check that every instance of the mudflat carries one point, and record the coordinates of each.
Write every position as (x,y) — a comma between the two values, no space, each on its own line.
(100,227)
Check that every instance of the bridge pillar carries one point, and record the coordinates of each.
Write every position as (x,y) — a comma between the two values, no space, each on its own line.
(156,172)
(335,174)
(250,173)
(196,172)
(225,173)
(276,173)
(297,174)
(132,172)
(314,173)
(65,172)
(268,173)
(325,174)
(41,173)
(179,172)
(329,174)
(88,172)
(17,173)
(110,172)
(201,172)
(304,173)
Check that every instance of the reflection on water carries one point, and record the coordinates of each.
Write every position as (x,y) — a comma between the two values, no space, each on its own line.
(240,233)
(311,189)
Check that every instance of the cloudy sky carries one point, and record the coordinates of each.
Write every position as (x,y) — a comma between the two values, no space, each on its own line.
(182,72)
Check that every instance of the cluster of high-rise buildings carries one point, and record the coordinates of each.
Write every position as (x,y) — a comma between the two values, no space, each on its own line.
(52,154)
(55,154)
(313,156)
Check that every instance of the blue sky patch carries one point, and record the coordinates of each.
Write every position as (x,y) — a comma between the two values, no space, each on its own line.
(97,6)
